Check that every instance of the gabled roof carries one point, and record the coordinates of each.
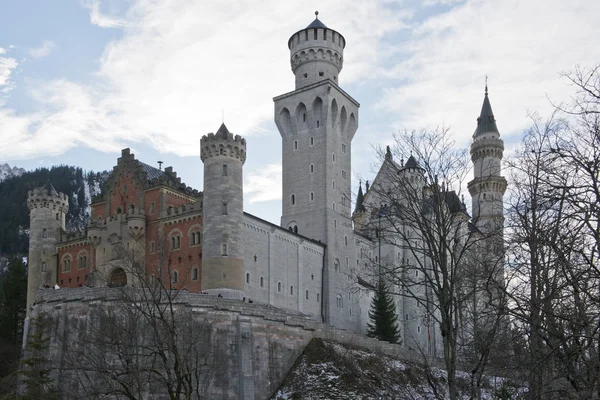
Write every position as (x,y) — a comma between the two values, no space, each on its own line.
(486,121)
(152,172)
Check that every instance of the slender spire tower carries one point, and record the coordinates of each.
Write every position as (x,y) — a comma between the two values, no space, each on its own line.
(317,122)
(488,186)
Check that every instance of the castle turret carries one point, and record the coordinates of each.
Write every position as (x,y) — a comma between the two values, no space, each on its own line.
(47,213)
(316,53)
(223,257)
(317,123)
(488,186)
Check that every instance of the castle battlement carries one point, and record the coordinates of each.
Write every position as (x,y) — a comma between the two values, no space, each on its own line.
(223,143)
(47,197)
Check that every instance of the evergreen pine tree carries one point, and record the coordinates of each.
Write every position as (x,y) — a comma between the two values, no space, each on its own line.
(35,366)
(384,321)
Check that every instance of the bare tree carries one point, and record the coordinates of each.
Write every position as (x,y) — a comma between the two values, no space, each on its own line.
(147,341)
(554,226)
(429,246)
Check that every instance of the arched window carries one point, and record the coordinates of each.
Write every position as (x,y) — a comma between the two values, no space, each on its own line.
(340,301)
(174,277)
(295,228)
(279,287)
(195,238)
(346,240)
(336,265)
(66,265)
(293,199)
(292,290)
(175,242)
(262,281)
(195,274)
(312,168)
(248,277)
(306,295)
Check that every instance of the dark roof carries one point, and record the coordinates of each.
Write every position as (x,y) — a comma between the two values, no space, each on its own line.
(412,163)
(223,132)
(151,172)
(486,121)
(360,198)
(48,188)
(316,24)
(450,198)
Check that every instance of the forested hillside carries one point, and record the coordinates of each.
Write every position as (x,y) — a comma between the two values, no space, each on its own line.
(79,185)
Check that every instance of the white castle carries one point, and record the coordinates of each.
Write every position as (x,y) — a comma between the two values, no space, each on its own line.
(318,262)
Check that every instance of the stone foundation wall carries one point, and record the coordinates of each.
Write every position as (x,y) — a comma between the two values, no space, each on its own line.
(254,345)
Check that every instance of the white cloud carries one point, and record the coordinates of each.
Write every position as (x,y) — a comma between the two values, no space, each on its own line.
(263,184)
(177,65)
(101,19)
(7,66)
(44,50)
(521,45)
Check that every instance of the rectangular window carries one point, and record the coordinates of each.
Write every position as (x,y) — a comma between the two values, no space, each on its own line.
(224,208)
(151,247)
(44,267)
(57,216)
(151,208)
(295,145)
(343,175)
(344,148)
(44,233)
(224,249)
(312,141)
(224,169)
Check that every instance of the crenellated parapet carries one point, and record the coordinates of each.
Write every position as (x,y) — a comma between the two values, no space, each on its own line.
(44,198)
(223,144)
(487,147)
(316,54)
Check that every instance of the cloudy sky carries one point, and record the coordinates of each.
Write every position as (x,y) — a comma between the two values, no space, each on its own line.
(82,79)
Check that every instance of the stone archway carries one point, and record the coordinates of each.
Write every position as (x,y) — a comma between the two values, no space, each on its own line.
(118,278)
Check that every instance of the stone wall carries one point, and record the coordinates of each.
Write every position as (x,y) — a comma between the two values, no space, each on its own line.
(255,345)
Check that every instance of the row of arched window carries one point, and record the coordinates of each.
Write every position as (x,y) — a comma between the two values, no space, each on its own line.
(67,260)
(195,238)
(195,275)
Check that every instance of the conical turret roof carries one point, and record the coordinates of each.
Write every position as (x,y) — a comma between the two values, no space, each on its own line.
(48,188)
(316,23)
(486,121)
(223,132)
(360,198)
(412,163)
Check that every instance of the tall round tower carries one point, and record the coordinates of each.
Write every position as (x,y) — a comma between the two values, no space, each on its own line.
(316,53)
(488,186)
(222,216)
(47,212)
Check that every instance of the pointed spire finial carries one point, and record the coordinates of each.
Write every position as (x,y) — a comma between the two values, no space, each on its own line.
(317,14)
(486,89)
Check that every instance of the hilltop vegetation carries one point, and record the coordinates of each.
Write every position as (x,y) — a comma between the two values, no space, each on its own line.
(79,185)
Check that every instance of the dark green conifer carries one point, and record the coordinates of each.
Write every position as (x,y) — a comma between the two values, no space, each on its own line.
(35,370)
(384,320)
